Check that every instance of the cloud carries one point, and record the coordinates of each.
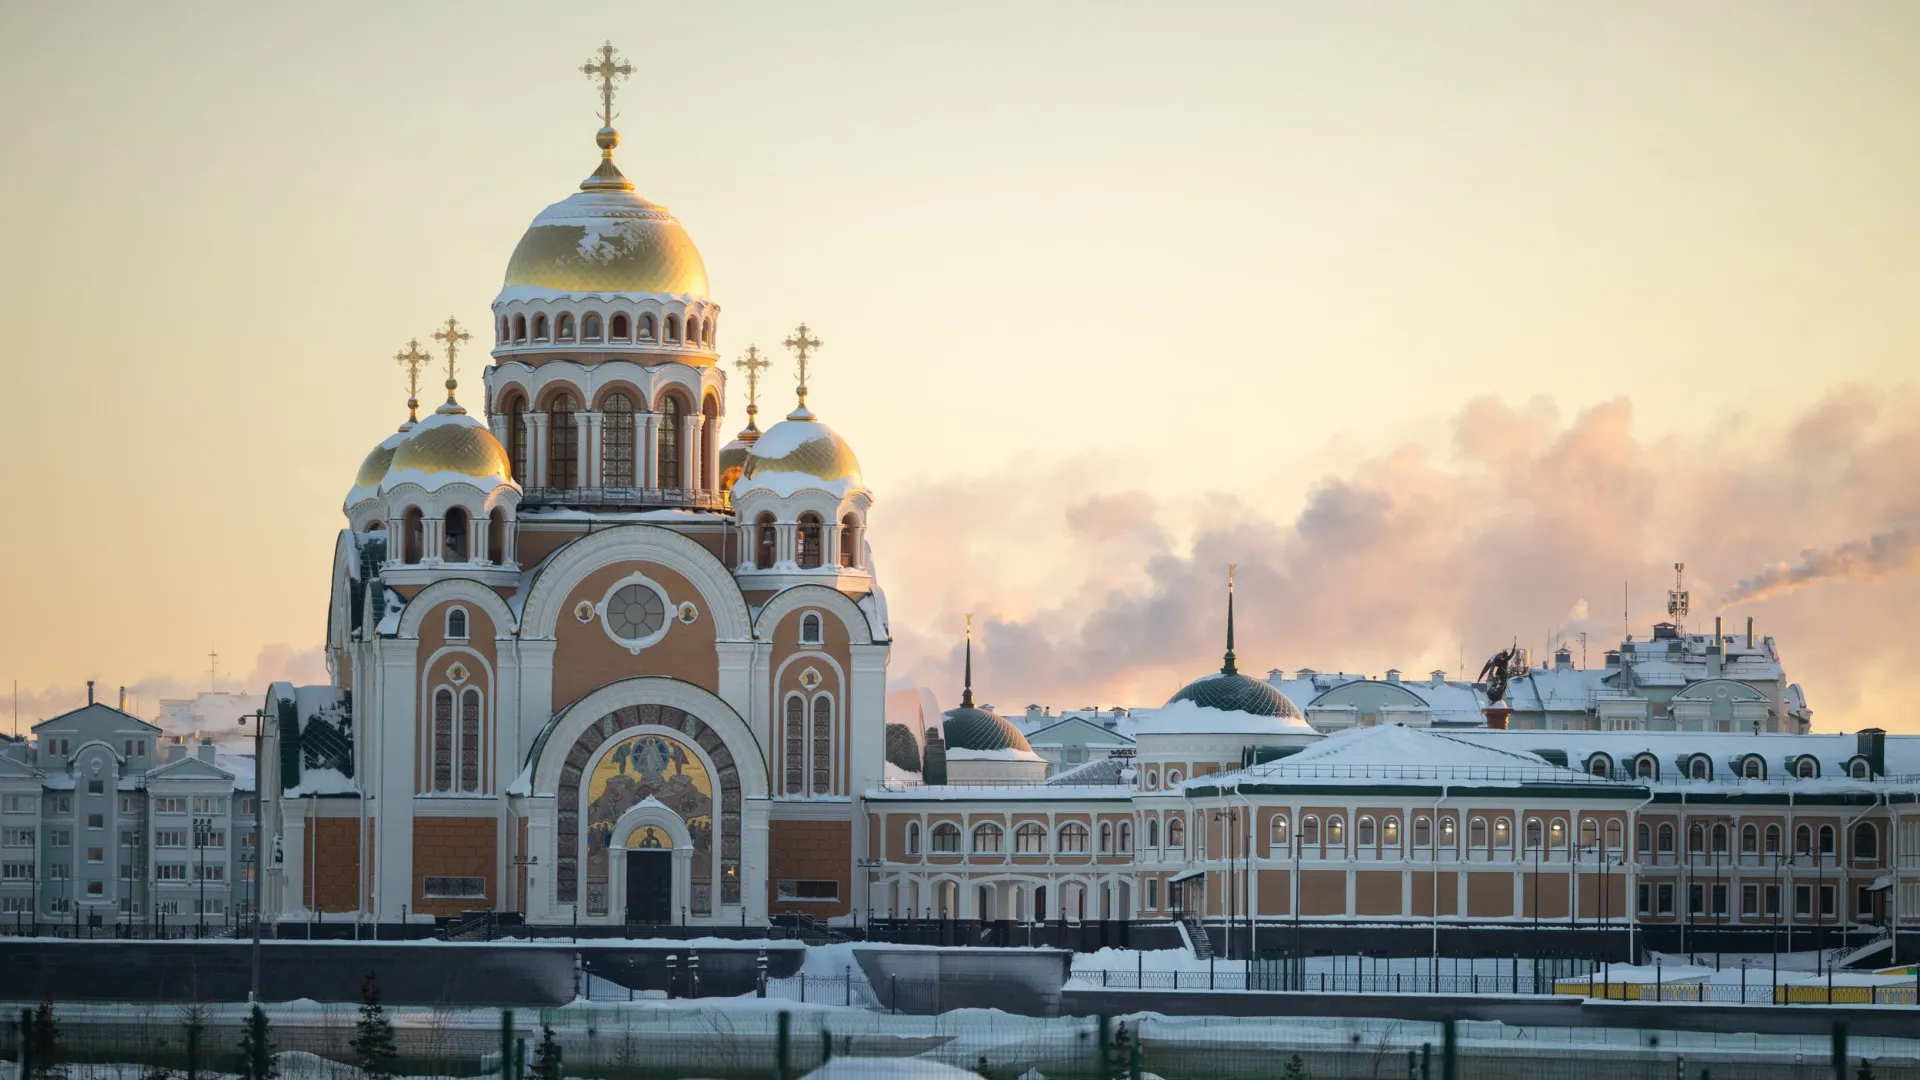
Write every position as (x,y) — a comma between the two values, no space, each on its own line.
(272,663)
(1424,556)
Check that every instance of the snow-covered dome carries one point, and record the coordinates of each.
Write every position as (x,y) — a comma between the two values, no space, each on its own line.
(1234,692)
(366,483)
(798,452)
(448,447)
(972,728)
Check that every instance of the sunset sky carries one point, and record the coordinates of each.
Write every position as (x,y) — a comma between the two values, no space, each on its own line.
(1444,321)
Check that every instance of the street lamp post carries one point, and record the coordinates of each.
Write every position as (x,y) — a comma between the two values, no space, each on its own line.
(259,718)
(202,826)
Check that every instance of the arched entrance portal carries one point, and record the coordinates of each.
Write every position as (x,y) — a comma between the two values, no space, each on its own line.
(651,854)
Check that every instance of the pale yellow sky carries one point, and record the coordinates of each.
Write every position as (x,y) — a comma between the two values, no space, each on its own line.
(1192,250)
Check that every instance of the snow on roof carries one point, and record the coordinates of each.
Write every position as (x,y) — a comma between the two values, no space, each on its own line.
(321,782)
(1097,771)
(1394,752)
(1725,748)
(1008,792)
(1187,718)
(1007,753)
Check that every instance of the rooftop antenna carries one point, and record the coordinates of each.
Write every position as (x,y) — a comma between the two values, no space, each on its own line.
(213,669)
(1626,620)
(1583,649)
(1677,605)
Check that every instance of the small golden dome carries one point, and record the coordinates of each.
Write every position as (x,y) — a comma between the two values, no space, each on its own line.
(607,241)
(378,459)
(805,448)
(447,447)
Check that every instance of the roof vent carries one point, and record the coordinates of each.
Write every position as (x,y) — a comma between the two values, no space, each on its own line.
(1393,674)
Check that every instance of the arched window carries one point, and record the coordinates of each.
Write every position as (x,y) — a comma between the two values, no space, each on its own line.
(1646,768)
(457,624)
(668,454)
(1826,839)
(1535,834)
(454,546)
(1773,839)
(809,629)
(1589,832)
(413,528)
(913,838)
(1749,839)
(506,330)
(646,328)
(443,740)
(673,330)
(1697,839)
(563,442)
(1616,833)
(1390,833)
(1310,831)
(1807,768)
(1106,838)
(497,537)
(1557,834)
(822,744)
(1600,766)
(796,744)
(515,409)
(470,740)
(1476,834)
(520,328)
(616,441)
(1278,837)
(1126,837)
(1859,769)
(1803,841)
(539,328)
(1422,832)
(1699,768)
(618,328)
(563,328)
(1363,832)
(1665,845)
(1337,833)
(1447,833)
(1173,778)
(986,839)
(590,326)
(1176,834)
(1866,842)
(849,542)
(809,541)
(1073,838)
(1502,835)
(764,547)
(1643,839)
(1721,835)
(693,330)
(946,839)
(1030,839)
(1752,768)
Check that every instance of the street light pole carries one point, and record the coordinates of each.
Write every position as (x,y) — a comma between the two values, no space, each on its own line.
(259,718)
(201,826)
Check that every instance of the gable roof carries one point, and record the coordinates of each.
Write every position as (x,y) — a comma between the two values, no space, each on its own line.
(189,767)
(1098,729)
(96,706)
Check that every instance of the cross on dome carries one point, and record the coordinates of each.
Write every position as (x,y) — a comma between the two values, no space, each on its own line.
(413,360)
(608,73)
(452,335)
(802,343)
(751,363)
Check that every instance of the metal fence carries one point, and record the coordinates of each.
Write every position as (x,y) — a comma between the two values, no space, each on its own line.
(618,1042)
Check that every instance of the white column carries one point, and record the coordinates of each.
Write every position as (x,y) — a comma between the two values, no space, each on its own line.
(396,728)
(689,452)
(710,451)
(542,844)
(537,448)
(593,437)
(584,433)
(648,451)
(829,545)
(866,720)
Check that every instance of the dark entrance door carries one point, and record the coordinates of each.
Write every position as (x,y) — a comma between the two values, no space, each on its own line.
(649,886)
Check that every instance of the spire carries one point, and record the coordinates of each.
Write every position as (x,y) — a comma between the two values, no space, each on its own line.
(1227,668)
(752,363)
(802,343)
(413,360)
(452,335)
(608,73)
(966,692)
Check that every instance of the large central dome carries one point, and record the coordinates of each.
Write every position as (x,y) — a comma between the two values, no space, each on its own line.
(607,241)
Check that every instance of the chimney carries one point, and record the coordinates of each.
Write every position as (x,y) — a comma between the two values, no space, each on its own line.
(1393,674)
(1612,658)
(175,751)
(206,751)
(1563,659)
(1749,631)
(1439,676)
(1713,659)
(123,699)
(1717,638)
(933,763)
(89,691)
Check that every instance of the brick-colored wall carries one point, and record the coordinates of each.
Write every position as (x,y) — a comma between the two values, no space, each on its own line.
(815,851)
(334,859)
(458,847)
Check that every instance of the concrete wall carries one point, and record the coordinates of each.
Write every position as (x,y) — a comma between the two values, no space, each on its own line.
(928,981)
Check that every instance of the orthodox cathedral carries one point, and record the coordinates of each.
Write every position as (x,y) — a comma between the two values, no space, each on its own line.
(595,664)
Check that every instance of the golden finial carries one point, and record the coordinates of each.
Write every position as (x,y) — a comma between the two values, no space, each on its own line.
(966,686)
(452,335)
(751,363)
(607,73)
(802,343)
(413,360)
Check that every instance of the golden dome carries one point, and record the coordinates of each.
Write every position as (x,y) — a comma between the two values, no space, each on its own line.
(607,241)
(804,448)
(447,447)
(378,459)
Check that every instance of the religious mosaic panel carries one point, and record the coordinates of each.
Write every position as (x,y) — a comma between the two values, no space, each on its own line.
(649,766)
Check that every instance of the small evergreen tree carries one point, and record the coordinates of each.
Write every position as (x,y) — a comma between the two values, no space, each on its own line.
(48,1058)
(1866,1071)
(1296,1069)
(546,1060)
(373,1048)
(1120,1059)
(256,1047)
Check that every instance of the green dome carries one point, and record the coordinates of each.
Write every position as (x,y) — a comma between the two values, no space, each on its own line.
(970,728)
(1237,693)
(903,751)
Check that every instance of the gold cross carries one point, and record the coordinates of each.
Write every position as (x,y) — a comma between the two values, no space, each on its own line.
(453,336)
(1231,567)
(608,73)
(413,360)
(752,364)
(802,343)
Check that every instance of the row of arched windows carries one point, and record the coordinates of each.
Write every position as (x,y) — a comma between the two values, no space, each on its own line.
(618,329)
(1749,767)
(1714,839)
(456,740)
(1029,838)
(619,441)
(457,534)
(810,548)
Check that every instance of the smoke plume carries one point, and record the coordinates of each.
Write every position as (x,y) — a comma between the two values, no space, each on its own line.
(1881,555)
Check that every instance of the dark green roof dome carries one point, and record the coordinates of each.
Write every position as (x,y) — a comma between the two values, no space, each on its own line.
(971,728)
(903,751)
(1237,693)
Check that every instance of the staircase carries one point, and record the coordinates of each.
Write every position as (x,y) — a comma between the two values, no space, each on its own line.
(1196,937)
(1881,940)
(811,930)
(469,927)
